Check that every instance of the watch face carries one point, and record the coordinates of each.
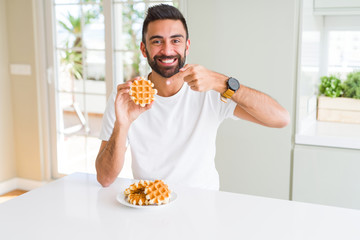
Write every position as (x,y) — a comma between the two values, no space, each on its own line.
(233,84)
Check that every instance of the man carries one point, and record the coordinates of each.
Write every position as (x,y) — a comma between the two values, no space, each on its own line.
(174,137)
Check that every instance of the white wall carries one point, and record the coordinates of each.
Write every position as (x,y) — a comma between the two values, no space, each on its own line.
(24,94)
(256,42)
(7,158)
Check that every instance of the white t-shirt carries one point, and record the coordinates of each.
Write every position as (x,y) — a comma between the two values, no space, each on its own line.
(175,139)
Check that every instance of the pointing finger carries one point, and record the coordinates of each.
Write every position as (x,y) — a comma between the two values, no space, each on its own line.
(185,71)
(184,68)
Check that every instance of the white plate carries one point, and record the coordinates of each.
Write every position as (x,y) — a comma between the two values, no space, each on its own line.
(121,199)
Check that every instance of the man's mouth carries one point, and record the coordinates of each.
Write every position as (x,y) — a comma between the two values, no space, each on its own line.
(166,65)
(167,61)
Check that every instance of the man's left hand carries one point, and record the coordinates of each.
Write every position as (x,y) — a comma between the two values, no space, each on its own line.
(202,79)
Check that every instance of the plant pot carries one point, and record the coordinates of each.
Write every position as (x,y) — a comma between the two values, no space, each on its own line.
(345,110)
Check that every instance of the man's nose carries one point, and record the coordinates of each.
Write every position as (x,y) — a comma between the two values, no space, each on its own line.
(167,49)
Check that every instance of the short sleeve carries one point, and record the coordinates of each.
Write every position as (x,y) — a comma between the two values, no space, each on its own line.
(224,110)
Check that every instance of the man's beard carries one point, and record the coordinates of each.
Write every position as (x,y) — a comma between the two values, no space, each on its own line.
(166,72)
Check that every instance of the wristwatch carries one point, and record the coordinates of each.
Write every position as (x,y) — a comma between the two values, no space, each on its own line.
(232,86)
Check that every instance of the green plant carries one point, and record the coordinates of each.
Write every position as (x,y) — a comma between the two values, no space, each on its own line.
(352,85)
(72,58)
(132,16)
(331,86)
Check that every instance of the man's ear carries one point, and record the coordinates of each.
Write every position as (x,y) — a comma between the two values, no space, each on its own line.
(187,46)
(143,49)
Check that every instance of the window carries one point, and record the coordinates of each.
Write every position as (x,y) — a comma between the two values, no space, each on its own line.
(94,46)
(343,52)
(330,44)
(79,48)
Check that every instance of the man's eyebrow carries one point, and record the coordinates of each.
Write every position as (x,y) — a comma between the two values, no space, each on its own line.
(177,36)
(172,36)
(155,36)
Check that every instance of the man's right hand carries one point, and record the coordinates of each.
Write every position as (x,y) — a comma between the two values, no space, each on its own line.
(126,111)
(110,159)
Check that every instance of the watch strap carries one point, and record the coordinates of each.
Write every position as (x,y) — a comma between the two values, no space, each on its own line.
(227,94)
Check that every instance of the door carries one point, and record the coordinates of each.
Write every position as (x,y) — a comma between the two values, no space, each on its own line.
(92,45)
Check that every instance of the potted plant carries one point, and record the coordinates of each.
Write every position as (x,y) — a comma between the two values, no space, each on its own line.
(339,102)
(351,87)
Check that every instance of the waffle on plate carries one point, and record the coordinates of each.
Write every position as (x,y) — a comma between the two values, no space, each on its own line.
(146,192)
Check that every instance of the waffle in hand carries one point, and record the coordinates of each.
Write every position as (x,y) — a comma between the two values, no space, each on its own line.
(157,193)
(142,92)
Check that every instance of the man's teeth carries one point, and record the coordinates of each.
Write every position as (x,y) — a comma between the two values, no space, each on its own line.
(168,60)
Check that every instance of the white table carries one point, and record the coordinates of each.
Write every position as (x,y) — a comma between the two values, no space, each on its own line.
(77,207)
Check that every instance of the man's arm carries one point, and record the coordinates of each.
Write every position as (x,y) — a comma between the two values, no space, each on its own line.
(260,108)
(110,159)
(252,105)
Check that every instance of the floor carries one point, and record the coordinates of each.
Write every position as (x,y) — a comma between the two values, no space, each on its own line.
(10,195)
(77,147)
(94,124)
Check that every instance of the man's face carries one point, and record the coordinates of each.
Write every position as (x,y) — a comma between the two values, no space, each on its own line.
(166,47)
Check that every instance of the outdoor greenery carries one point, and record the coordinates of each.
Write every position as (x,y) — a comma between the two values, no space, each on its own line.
(72,59)
(130,16)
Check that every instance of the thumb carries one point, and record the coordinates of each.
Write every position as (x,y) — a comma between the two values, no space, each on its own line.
(184,68)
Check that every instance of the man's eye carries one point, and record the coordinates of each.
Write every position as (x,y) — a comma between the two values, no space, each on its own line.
(156,41)
(176,41)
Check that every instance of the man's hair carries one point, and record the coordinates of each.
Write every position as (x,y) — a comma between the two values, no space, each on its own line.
(162,12)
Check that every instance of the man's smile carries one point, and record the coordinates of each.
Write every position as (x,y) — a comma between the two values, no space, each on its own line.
(167,61)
